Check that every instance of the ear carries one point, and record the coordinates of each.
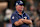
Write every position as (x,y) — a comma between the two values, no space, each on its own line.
(16,6)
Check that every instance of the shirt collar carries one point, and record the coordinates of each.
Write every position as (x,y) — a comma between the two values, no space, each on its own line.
(22,12)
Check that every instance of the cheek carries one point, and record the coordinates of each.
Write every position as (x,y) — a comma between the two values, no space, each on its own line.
(19,7)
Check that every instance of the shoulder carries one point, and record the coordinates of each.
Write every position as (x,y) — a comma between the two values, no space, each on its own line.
(26,14)
(14,13)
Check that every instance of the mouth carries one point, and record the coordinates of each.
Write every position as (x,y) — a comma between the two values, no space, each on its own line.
(21,10)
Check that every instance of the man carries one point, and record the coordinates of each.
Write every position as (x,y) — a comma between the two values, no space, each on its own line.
(19,18)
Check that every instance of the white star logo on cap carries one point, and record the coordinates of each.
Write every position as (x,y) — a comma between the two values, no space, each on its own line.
(16,3)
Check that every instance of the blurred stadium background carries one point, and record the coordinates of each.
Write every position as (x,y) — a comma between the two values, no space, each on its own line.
(7,7)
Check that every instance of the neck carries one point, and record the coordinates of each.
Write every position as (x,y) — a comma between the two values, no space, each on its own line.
(19,12)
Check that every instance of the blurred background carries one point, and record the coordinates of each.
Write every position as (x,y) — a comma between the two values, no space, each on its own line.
(31,7)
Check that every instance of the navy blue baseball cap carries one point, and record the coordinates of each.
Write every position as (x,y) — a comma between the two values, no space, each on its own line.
(19,3)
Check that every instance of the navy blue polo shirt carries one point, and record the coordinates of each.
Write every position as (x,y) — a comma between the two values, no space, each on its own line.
(15,17)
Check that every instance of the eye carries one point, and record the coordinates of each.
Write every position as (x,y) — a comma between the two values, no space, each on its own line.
(21,5)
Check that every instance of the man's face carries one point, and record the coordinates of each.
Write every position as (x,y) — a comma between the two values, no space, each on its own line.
(20,7)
